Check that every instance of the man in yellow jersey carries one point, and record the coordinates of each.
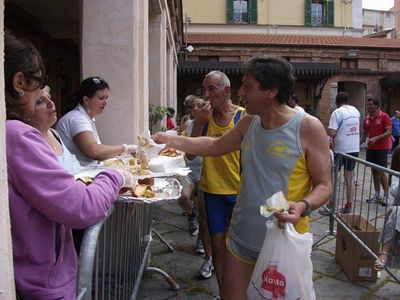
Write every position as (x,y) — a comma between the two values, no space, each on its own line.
(220,175)
(282,149)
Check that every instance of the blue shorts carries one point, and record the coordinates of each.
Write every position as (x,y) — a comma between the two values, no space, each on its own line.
(219,211)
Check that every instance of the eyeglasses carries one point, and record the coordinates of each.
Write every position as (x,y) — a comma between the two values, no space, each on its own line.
(98,80)
(42,80)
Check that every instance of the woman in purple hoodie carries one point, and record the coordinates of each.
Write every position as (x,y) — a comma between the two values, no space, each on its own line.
(45,200)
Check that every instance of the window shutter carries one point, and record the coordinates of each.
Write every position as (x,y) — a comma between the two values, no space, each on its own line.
(229,11)
(307,12)
(252,11)
(329,21)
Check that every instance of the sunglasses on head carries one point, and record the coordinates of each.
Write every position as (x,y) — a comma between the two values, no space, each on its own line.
(98,80)
(42,80)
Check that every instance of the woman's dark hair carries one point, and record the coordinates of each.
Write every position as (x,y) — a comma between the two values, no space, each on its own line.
(88,88)
(20,56)
(395,164)
(294,98)
(272,72)
(170,111)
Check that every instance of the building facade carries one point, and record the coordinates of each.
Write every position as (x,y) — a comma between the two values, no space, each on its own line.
(322,39)
(375,21)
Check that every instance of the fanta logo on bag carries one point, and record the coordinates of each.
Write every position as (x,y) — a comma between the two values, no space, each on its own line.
(273,281)
(269,281)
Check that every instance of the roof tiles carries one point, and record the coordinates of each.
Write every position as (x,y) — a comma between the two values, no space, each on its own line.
(237,39)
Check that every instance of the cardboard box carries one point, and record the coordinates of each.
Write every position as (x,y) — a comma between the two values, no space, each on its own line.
(354,260)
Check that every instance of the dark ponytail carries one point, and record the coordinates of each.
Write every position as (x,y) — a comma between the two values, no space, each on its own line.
(88,88)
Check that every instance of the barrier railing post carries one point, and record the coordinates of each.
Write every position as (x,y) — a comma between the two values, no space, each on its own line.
(87,257)
(116,252)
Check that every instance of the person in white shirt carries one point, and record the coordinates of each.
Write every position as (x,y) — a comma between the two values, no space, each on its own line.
(344,129)
(293,102)
(77,128)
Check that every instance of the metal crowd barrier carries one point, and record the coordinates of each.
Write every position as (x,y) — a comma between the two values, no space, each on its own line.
(364,217)
(115,253)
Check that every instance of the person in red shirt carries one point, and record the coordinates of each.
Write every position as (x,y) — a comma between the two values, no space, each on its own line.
(170,118)
(378,128)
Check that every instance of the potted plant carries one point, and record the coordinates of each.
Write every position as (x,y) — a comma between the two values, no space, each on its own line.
(156,114)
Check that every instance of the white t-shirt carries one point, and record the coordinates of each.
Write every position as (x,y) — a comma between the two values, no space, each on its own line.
(346,121)
(73,123)
(66,159)
(299,108)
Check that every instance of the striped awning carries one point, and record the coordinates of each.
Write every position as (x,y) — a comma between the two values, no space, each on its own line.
(234,67)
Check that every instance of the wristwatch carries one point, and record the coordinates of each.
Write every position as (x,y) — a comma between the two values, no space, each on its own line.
(308,209)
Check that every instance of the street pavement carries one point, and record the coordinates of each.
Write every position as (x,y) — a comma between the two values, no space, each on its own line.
(183,265)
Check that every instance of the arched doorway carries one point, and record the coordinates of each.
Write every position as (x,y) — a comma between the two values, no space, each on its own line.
(357,94)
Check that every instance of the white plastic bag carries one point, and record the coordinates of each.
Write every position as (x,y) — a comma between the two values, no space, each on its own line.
(284,269)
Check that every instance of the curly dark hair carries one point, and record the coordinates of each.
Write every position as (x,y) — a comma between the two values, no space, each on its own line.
(395,165)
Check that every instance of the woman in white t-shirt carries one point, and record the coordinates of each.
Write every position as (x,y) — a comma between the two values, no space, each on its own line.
(77,128)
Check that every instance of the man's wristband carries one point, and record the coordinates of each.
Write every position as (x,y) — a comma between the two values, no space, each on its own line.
(307,210)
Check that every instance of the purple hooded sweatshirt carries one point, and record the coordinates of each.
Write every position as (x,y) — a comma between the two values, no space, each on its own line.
(45,203)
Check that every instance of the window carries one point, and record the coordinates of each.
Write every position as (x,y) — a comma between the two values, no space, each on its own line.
(319,12)
(242,11)
(240,14)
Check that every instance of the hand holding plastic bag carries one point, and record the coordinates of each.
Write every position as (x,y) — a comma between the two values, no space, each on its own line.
(284,268)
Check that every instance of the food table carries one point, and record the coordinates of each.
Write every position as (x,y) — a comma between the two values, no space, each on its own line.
(116,252)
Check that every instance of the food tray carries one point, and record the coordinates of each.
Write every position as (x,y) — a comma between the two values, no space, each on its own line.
(93,171)
(165,188)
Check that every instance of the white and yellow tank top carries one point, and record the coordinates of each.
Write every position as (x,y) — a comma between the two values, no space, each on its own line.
(272,161)
(221,174)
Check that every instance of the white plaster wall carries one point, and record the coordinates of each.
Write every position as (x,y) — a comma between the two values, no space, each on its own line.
(7,289)
(158,58)
(115,46)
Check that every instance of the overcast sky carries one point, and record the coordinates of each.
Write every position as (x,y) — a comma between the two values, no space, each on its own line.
(378,4)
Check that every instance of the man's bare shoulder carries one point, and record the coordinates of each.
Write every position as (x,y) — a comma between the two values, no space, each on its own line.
(311,123)
(244,123)
(312,132)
